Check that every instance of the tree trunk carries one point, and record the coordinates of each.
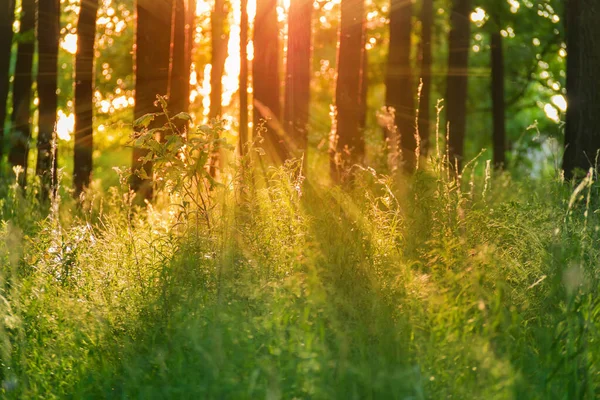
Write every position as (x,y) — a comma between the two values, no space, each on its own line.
(399,87)
(152,76)
(457,80)
(297,82)
(219,39)
(7,17)
(347,141)
(243,76)
(498,104)
(190,31)
(180,68)
(364,83)
(265,78)
(84,95)
(424,122)
(582,135)
(48,40)
(21,113)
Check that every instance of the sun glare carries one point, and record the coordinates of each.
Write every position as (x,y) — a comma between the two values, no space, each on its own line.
(69,43)
(64,125)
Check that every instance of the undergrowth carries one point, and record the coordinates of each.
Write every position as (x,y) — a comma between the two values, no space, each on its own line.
(268,285)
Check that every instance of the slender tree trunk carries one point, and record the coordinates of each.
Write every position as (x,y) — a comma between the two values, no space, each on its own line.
(152,77)
(48,40)
(458,74)
(399,86)
(190,31)
(7,17)
(572,11)
(297,82)
(219,39)
(364,83)
(498,103)
(426,64)
(347,140)
(180,68)
(265,78)
(84,95)
(243,76)
(582,135)
(21,113)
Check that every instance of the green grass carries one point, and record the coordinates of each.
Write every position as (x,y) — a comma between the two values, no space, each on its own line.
(393,288)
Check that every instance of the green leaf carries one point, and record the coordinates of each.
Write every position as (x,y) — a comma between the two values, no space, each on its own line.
(144,121)
(207,130)
(142,173)
(183,116)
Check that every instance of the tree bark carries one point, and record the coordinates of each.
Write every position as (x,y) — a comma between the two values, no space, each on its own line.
(457,80)
(152,76)
(190,31)
(48,40)
(399,86)
(180,67)
(498,103)
(364,83)
(84,95)
(219,39)
(7,17)
(582,134)
(347,141)
(265,78)
(243,76)
(297,82)
(21,113)
(424,122)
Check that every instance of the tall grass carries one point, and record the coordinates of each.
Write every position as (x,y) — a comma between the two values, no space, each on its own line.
(438,285)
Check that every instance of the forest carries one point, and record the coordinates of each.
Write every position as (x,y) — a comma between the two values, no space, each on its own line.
(299,199)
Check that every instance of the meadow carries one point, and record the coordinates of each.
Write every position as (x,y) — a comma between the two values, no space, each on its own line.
(277,284)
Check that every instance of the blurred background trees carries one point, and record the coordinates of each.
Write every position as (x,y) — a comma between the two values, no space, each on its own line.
(18,137)
(316,72)
(7,12)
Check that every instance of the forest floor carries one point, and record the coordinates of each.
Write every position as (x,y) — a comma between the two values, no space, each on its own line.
(284,288)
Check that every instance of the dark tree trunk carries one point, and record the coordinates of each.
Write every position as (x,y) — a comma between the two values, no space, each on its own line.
(426,64)
(572,9)
(364,83)
(348,142)
(265,78)
(582,135)
(7,17)
(190,31)
(152,76)
(84,95)
(498,104)
(219,39)
(458,74)
(243,76)
(180,68)
(400,92)
(48,39)
(21,114)
(297,82)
